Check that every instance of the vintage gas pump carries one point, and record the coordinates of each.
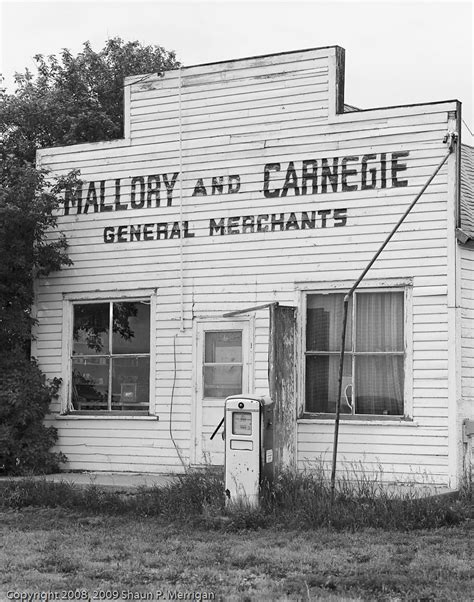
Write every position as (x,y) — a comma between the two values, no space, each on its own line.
(248,446)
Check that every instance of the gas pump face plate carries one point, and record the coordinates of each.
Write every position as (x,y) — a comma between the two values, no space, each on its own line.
(242,423)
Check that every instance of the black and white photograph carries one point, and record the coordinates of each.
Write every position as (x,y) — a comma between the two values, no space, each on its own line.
(236,300)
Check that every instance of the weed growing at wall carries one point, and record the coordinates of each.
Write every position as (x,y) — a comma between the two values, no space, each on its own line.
(294,501)
(303,499)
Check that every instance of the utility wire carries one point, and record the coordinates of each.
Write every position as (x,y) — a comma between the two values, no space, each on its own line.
(171,407)
(468,128)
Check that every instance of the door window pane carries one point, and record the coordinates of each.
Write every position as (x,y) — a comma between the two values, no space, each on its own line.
(222,381)
(222,370)
(223,347)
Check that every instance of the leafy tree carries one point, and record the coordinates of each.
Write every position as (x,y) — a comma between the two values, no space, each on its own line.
(71,99)
(27,208)
(75,99)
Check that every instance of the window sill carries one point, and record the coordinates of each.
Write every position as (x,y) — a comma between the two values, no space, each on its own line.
(367,419)
(104,416)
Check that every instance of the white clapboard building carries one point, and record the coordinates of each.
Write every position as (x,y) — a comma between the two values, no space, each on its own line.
(212,249)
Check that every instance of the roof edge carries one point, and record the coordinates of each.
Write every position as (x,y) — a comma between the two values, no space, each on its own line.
(336,48)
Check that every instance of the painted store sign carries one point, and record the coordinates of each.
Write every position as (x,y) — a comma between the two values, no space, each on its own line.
(279,180)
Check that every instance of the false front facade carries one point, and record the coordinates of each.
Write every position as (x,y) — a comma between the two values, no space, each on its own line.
(212,249)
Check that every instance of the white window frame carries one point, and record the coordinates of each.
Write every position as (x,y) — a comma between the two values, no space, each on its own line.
(404,285)
(71,299)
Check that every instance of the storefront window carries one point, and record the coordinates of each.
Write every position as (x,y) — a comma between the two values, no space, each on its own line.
(373,372)
(111,356)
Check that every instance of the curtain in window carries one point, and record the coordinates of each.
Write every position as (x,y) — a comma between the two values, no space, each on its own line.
(379,322)
(377,352)
(379,336)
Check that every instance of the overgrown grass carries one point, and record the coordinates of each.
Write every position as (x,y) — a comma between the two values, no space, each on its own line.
(361,501)
(62,550)
(295,501)
(190,495)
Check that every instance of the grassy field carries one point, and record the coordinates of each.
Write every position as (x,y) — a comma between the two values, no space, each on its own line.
(123,557)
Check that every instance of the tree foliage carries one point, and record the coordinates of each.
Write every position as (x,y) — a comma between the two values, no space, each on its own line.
(27,205)
(26,215)
(25,395)
(71,99)
(75,99)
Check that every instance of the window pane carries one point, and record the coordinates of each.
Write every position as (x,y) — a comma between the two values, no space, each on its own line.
(131,328)
(130,383)
(222,381)
(223,347)
(379,322)
(324,323)
(91,329)
(90,383)
(322,374)
(379,384)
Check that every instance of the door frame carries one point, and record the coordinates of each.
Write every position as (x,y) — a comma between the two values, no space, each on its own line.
(200,326)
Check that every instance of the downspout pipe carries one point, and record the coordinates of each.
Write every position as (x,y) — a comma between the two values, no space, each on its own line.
(181,226)
(450,139)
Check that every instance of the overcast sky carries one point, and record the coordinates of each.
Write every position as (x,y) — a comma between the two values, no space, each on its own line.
(396,52)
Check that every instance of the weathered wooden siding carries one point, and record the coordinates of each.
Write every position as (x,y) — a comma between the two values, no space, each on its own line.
(466,409)
(236,118)
(220,103)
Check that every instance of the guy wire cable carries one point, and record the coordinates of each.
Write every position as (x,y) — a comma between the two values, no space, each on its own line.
(468,128)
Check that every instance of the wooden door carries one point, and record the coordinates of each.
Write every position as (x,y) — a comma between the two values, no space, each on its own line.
(222,369)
